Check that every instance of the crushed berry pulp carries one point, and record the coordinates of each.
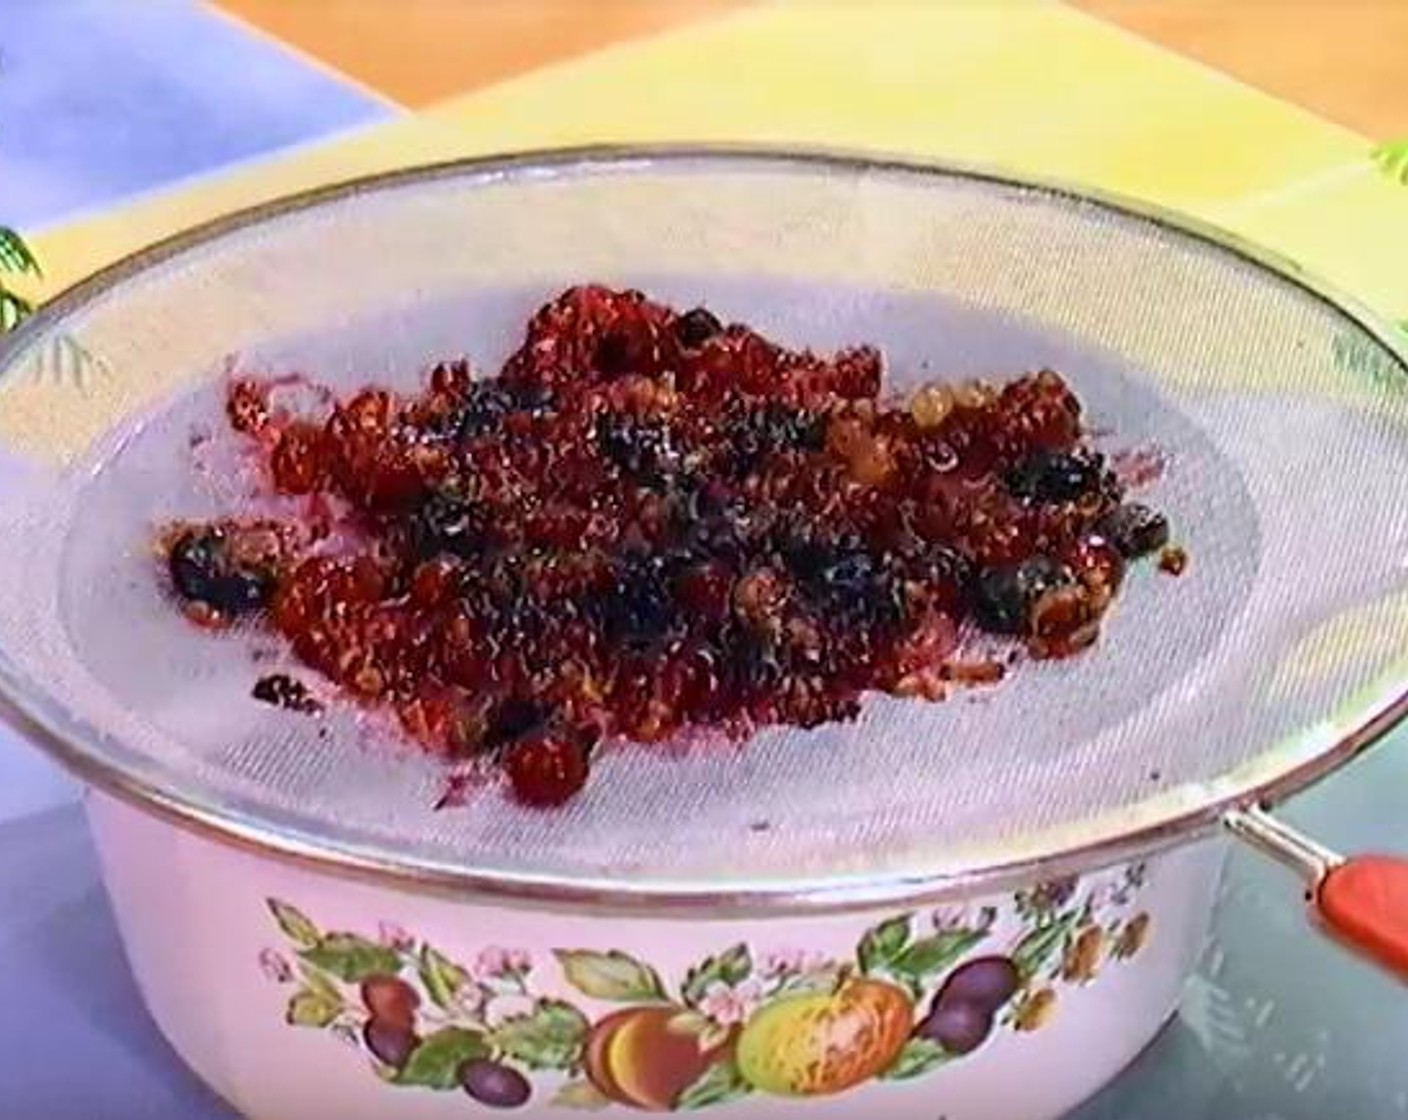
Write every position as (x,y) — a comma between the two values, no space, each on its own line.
(652,524)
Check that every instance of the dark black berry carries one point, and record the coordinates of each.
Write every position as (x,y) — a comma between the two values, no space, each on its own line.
(614,356)
(495,1084)
(696,327)
(641,448)
(1003,597)
(1057,476)
(1135,530)
(848,582)
(512,719)
(638,608)
(942,567)
(202,571)
(703,496)
(851,572)
(754,664)
(283,691)
(808,560)
(535,400)
(485,408)
(722,525)
(756,433)
(446,523)
(501,581)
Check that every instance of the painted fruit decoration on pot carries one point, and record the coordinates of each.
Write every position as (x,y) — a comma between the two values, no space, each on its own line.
(591,1029)
(647,1057)
(819,1043)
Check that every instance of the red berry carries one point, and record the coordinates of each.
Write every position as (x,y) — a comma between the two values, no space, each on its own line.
(298,462)
(452,379)
(547,771)
(434,581)
(707,589)
(247,406)
(1096,563)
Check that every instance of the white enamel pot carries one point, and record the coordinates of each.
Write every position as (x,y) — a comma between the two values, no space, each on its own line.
(257,970)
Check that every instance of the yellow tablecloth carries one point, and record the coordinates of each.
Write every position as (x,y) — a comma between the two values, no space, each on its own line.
(1224,111)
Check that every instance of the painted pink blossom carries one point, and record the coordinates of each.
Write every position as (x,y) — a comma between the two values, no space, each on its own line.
(275,967)
(727,1006)
(396,937)
(494,962)
(469,1002)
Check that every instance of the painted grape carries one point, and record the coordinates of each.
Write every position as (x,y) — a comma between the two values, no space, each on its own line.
(495,1084)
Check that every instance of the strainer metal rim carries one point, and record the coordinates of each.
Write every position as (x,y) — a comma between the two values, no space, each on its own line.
(70,741)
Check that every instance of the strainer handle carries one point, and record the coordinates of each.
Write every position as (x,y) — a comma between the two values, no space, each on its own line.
(1361,901)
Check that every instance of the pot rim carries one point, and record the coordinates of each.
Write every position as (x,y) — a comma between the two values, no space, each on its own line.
(1110,839)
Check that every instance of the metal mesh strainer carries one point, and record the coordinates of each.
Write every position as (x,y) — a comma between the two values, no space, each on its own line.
(1282,419)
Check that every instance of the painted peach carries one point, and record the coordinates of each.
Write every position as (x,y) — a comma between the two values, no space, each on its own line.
(820,1043)
(645,1057)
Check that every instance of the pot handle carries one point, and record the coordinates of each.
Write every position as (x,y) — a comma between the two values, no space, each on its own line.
(1361,901)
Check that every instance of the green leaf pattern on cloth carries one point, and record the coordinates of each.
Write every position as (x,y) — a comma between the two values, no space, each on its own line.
(15,259)
(1392,159)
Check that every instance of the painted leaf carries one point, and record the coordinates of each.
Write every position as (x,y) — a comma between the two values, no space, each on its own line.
(318,981)
(882,945)
(351,958)
(719,1084)
(435,1063)
(729,969)
(931,956)
(581,1095)
(440,976)
(690,1023)
(826,978)
(613,976)
(15,255)
(1034,951)
(919,1056)
(713,1036)
(551,1037)
(296,927)
(308,1008)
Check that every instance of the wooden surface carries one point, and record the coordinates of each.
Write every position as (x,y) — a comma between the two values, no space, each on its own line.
(1346,60)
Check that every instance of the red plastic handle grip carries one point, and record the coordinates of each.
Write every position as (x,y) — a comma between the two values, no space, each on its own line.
(1364,902)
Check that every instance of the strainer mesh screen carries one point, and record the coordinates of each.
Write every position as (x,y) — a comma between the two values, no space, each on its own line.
(1280,421)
